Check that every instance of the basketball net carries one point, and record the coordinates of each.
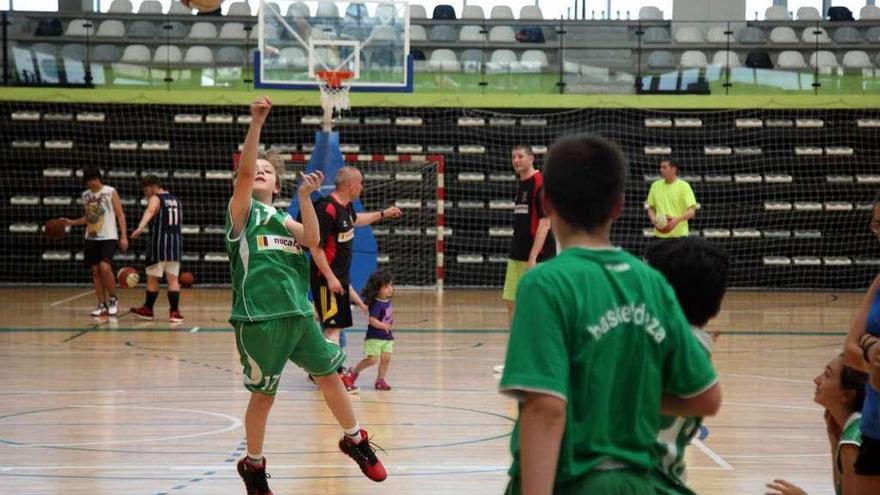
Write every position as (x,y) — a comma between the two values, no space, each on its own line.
(334,90)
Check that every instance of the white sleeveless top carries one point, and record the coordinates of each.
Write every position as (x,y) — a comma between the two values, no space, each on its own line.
(100,215)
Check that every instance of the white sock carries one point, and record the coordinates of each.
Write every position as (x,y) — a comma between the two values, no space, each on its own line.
(255,459)
(354,433)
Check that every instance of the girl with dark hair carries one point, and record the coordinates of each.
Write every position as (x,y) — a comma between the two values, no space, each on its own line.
(379,341)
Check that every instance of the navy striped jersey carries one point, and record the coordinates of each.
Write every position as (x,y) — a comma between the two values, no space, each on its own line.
(164,243)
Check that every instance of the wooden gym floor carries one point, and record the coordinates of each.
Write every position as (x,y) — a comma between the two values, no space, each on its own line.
(131,407)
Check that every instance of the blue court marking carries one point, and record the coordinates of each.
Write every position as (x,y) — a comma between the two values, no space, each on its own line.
(704,432)
(207,474)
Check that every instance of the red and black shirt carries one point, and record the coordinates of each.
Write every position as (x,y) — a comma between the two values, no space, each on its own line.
(336,221)
(527,210)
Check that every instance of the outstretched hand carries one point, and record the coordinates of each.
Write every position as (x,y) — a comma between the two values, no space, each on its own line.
(260,109)
(393,212)
(310,182)
(783,487)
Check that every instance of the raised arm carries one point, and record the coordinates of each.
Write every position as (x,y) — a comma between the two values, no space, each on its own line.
(371,217)
(307,233)
(149,213)
(240,204)
(120,219)
(853,355)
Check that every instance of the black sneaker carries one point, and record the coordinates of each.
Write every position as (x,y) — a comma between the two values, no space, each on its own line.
(364,455)
(254,478)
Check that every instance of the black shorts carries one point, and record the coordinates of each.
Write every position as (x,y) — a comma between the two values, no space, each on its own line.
(868,461)
(95,252)
(334,310)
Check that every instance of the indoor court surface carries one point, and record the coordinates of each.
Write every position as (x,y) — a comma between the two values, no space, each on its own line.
(133,407)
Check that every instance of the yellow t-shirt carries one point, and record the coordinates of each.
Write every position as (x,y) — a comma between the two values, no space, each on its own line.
(671,200)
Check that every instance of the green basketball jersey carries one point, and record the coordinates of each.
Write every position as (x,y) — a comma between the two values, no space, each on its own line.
(603,331)
(675,435)
(270,271)
(851,435)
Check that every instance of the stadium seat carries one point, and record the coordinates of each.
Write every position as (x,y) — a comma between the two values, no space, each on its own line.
(693,59)
(656,34)
(661,60)
(650,13)
(444,13)
(167,54)
(240,9)
(872,35)
(327,9)
(150,7)
(502,34)
(111,29)
(856,59)
(444,60)
(716,34)
(78,27)
(270,32)
(823,59)
(293,56)
(233,31)
(355,13)
(501,12)
(417,33)
(74,51)
(106,54)
(473,12)
(758,60)
(203,31)
(813,35)
(847,34)
(471,34)
(120,7)
(725,58)
(808,14)
(274,6)
(198,55)
(502,61)
(783,34)
(178,8)
(869,12)
(530,12)
(533,61)
(752,34)
(135,54)
(298,9)
(776,13)
(443,33)
(688,34)
(175,30)
(472,60)
(229,56)
(417,12)
(142,30)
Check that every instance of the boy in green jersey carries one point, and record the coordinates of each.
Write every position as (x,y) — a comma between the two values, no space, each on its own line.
(597,345)
(273,318)
(697,271)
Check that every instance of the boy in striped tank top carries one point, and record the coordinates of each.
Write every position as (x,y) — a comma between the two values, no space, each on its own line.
(697,271)
(163,215)
(273,319)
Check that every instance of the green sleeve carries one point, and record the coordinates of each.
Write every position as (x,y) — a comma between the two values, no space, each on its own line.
(689,198)
(687,371)
(537,355)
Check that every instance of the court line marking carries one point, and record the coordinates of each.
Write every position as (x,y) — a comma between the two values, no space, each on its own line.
(227,467)
(236,423)
(770,378)
(712,455)
(746,457)
(71,298)
(773,406)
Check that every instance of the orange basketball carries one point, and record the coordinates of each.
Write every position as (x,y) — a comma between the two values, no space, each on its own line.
(55,228)
(127,277)
(187,279)
(202,5)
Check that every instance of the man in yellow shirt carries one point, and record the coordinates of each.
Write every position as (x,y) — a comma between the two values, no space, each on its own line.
(671,203)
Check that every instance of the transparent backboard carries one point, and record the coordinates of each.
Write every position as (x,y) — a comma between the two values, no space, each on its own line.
(368,38)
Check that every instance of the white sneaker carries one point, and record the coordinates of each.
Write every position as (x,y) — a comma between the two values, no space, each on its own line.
(113,306)
(498,369)
(101,310)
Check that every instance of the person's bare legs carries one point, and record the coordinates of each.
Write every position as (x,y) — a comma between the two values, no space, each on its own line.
(510,307)
(98,283)
(365,363)
(109,281)
(332,334)
(255,422)
(383,365)
(337,399)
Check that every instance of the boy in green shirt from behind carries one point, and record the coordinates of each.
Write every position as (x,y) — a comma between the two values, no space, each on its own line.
(597,345)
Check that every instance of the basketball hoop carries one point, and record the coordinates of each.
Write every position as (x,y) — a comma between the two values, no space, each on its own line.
(334,90)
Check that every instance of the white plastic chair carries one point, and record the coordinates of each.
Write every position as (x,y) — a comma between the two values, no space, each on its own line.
(693,59)
(791,59)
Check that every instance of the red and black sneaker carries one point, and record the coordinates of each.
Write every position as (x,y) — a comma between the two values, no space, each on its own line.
(348,382)
(254,477)
(143,313)
(364,455)
(174,316)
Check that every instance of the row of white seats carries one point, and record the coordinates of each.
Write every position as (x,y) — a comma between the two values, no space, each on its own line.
(780,13)
(778,35)
(116,29)
(789,59)
(444,60)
